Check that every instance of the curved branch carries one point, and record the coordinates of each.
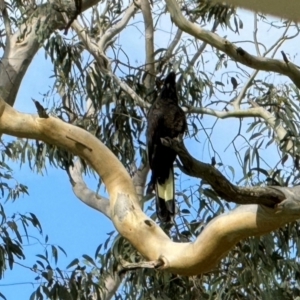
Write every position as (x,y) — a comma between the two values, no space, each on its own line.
(104,63)
(20,50)
(219,236)
(113,31)
(83,193)
(236,103)
(112,282)
(237,54)
(242,195)
(256,111)
(279,41)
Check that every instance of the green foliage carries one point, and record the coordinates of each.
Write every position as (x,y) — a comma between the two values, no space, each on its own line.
(60,284)
(11,237)
(220,12)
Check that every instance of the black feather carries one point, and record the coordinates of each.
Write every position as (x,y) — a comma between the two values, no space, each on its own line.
(165,119)
(234,83)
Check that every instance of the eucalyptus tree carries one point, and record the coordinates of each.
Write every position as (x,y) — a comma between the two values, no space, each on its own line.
(109,59)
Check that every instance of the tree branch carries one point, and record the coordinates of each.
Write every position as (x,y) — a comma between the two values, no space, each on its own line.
(256,111)
(112,283)
(104,63)
(236,103)
(242,195)
(169,51)
(149,44)
(255,35)
(83,193)
(197,54)
(20,50)
(6,20)
(114,30)
(237,54)
(138,265)
(219,236)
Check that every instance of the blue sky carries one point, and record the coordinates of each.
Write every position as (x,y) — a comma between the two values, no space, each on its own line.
(68,222)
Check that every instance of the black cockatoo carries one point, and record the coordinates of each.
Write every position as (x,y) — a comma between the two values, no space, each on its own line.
(165,119)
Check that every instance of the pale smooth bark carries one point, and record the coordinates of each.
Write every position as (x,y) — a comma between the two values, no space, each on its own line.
(19,51)
(219,236)
(83,193)
(149,44)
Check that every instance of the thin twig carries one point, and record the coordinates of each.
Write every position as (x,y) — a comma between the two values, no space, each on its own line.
(255,35)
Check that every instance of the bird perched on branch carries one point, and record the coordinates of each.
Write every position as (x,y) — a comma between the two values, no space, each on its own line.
(165,119)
